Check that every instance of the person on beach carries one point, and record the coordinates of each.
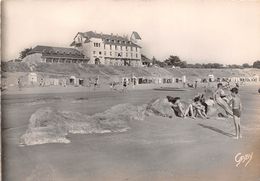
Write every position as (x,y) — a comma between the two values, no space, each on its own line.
(96,83)
(124,85)
(196,84)
(178,107)
(237,108)
(221,99)
(19,84)
(199,108)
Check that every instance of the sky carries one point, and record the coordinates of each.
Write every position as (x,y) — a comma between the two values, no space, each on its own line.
(198,31)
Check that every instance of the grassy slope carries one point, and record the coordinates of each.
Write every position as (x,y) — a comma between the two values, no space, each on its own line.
(107,72)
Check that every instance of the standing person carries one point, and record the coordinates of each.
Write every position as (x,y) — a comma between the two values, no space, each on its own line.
(220,97)
(124,85)
(237,108)
(19,84)
(184,81)
(96,83)
(196,84)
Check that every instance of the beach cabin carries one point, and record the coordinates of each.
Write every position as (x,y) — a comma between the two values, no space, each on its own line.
(211,78)
(32,78)
(72,80)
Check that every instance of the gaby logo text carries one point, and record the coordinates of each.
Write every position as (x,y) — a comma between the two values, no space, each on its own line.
(243,159)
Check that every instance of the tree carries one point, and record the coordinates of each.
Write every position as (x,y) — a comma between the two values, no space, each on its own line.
(256,64)
(158,62)
(154,60)
(245,65)
(234,66)
(24,52)
(173,61)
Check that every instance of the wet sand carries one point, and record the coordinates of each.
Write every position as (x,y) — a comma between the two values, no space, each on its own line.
(153,149)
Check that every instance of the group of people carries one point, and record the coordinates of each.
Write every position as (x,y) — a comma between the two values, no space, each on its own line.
(199,106)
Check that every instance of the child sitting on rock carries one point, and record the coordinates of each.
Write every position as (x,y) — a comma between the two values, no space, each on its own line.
(178,107)
(199,108)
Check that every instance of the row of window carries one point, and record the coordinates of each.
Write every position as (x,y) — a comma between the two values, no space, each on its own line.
(96,44)
(57,60)
(120,54)
(118,41)
(116,47)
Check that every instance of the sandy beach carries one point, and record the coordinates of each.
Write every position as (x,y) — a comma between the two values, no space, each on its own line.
(155,148)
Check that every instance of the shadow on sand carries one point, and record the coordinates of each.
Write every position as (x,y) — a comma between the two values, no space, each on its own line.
(216,130)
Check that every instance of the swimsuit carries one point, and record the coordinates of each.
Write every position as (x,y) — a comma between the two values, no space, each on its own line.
(237,113)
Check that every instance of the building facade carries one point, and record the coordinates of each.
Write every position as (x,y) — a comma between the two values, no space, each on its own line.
(49,54)
(109,49)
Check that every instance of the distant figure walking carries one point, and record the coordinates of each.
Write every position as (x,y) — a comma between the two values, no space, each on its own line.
(237,108)
(96,83)
(19,82)
(124,85)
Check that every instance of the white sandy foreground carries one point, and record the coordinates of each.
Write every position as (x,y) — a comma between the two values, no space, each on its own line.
(153,148)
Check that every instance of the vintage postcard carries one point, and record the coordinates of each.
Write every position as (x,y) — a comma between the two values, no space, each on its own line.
(130,90)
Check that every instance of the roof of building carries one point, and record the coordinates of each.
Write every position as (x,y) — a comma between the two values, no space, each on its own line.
(145,59)
(136,35)
(108,39)
(57,51)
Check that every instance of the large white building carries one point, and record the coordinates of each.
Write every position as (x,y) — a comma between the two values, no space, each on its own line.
(109,49)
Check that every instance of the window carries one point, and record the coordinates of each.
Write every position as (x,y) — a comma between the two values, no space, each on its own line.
(104,46)
(121,47)
(116,47)
(110,47)
(136,55)
(136,48)
(100,53)
(110,53)
(94,52)
(126,48)
(105,53)
(131,48)
(126,54)
(131,55)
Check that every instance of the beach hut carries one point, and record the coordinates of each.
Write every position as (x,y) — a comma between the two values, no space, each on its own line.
(32,78)
(72,80)
(211,78)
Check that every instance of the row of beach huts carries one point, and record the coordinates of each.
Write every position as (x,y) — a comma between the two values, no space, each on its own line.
(39,79)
